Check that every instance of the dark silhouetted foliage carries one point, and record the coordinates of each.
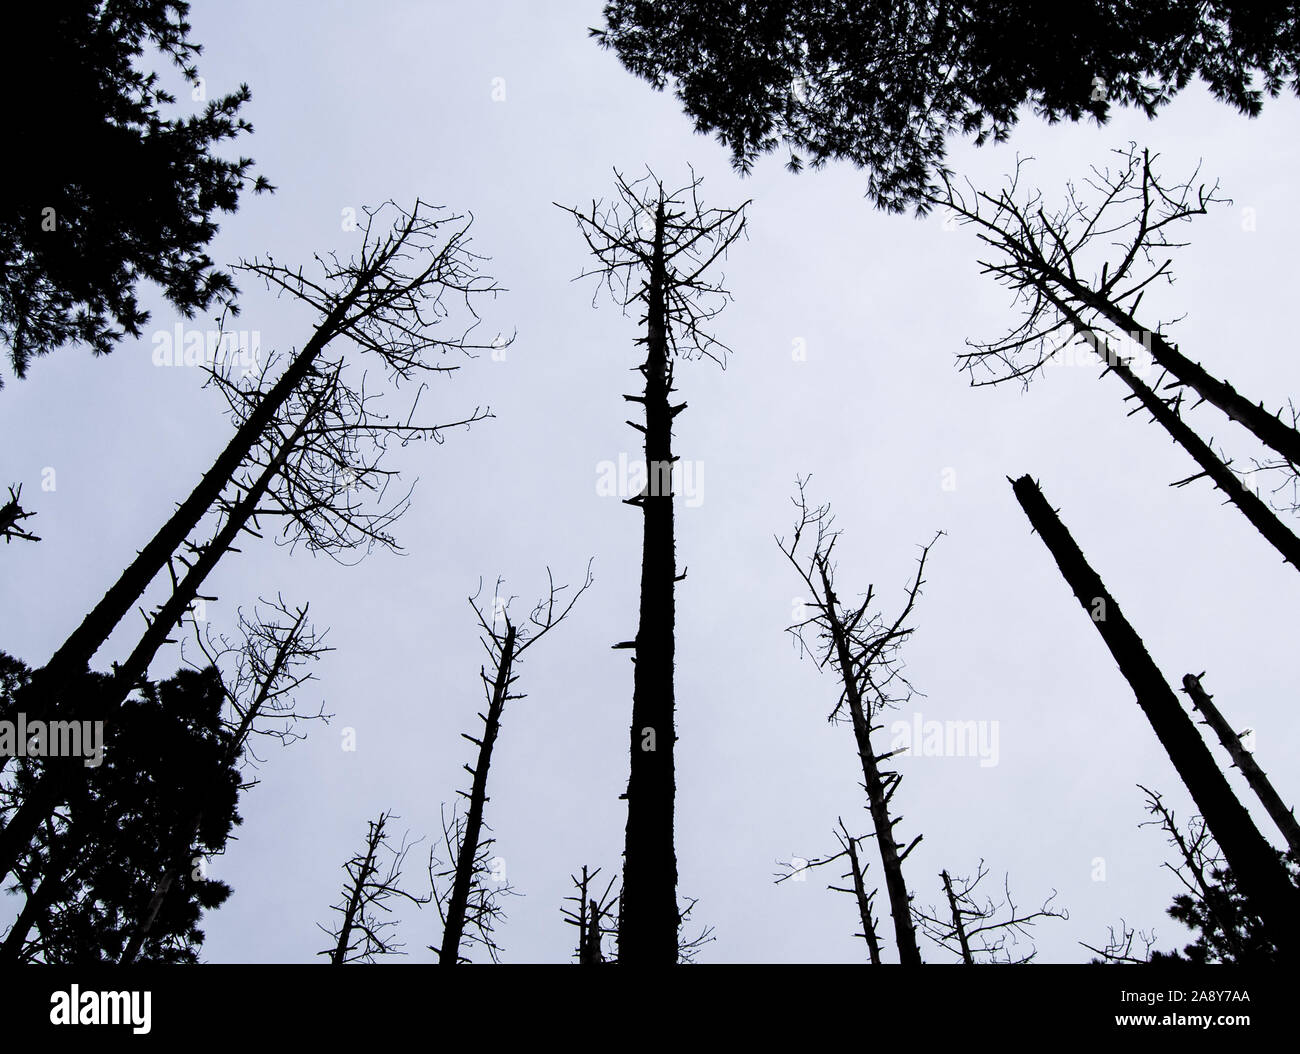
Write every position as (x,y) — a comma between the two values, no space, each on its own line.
(884,84)
(110,187)
(164,762)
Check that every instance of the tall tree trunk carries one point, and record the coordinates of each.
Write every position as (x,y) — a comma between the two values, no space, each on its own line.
(878,795)
(1260,876)
(1256,511)
(1241,757)
(75,653)
(466,858)
(60,772)
(1266,427)
(648,915)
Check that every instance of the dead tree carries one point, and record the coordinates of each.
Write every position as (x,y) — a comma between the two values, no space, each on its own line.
(1199,859)
(12,514)
(374,878)
(1243,760)
(982,930)
(1048,262)
(595,915)
(857,874)
(467,904)
(302,446)
(688,948)
(1119,946)
(1211,904)
(1252,859)
(653,250)
(863,649)
(259,677)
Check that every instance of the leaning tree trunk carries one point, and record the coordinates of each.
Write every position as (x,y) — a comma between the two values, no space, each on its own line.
(878,795)
(1266,427)
(648,915)
(76,652)
(49,789)
(1241,757)
(38,900)
(1256,511)
(1256,867)
(467,856)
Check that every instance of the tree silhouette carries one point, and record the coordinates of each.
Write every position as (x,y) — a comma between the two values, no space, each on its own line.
(595,914)
(884,84)
(374,877)
(467,904)
(305,446)
(1244,761)
(1252,858)
(978,928)
(858,890)
(89,875)
(863,650)
(653,250)
(258,677)
(12,514)
(118,191)
(1213,906)
(1049,261)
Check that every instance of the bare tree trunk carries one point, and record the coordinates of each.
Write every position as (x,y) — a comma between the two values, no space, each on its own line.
(1256,511)
(76,652)
(49,788)
(1241,757)
(957,925)
(863,899)
(466,859)
(1191,848)
(181,857)
(1266,427)
(1252,860)
(878,795)
(648,914)
(363,875)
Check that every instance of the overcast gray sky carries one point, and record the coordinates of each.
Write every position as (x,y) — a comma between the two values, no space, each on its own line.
(357,103)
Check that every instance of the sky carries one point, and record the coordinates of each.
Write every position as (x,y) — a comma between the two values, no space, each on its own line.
(845,328)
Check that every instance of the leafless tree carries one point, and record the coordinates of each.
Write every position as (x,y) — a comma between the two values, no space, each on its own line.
(688,948)
(977,928)
(1253,861)
(467,905)
(594,913)
(303,443)
(1119,946)
(856,874)
(864,650)
(1244,761)
(1198,858)
(655,251)
(1081,272)
(259,676)
(373,879)
(12,514)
